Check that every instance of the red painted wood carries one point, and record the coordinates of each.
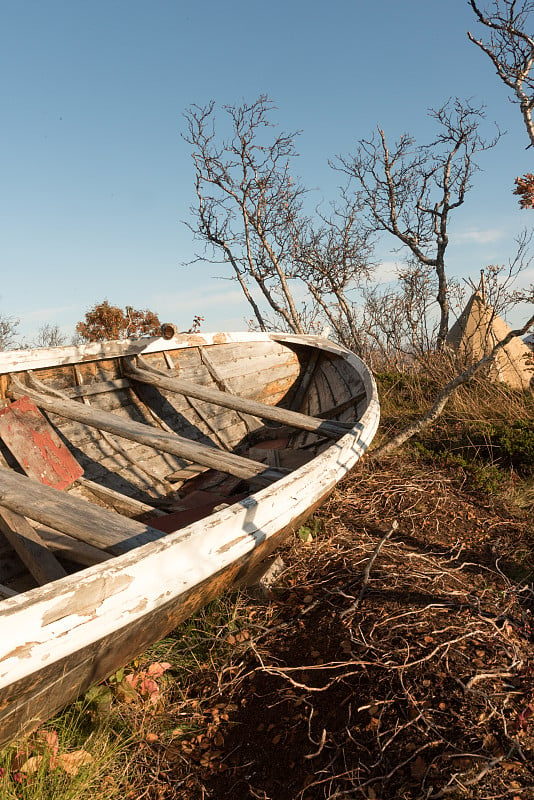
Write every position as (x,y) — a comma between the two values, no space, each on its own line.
(36,446)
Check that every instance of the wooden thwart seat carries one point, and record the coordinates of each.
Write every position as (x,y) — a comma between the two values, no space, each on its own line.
(97,526)
(149,375)
(144,434)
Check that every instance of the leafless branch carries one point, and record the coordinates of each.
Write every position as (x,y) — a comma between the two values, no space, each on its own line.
(510,48)
(411,191)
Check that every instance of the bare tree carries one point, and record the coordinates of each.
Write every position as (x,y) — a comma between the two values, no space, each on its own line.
(510,47)
(250,213)
(397,321)
(8,332)
(411,191)
(49,335)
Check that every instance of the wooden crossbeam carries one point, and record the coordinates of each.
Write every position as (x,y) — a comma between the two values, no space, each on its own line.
(145,434)
(99,527)
(30,548)
(293,418)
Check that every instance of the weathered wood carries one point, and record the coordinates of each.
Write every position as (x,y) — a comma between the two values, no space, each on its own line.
(73,549)
(248,421)
(6,591)
(331,429)
(122,502)
(169,330)
(158,439)
(351,402)
(148,476)
(101,387)
(186,473)
(199,410)
(30,548)
(78,518)
(305,381)
(36,446)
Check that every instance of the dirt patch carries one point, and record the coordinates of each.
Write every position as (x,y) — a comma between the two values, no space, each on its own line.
(419,686)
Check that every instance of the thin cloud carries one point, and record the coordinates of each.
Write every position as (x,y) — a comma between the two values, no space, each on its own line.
(385,272)
(481,236)
(46,314)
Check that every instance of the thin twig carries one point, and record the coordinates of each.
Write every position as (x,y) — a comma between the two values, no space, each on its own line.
(368,568)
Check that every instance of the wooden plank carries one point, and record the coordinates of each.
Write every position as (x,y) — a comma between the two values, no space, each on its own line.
(144,434)
(99,527)
(118,447)
(73,549)
(6,591)
(36,446)
(199,410)
(248,421)
(184,474)
(101,387)
(297,420)
(30,548)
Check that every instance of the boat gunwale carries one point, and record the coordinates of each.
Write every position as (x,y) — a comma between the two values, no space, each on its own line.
(48,357)
(276,506)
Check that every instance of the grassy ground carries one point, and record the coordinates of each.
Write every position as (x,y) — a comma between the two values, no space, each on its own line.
(393,659)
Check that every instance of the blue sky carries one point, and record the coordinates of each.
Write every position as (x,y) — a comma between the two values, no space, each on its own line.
(97,183)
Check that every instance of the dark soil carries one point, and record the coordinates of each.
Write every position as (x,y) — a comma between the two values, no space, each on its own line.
(415,682)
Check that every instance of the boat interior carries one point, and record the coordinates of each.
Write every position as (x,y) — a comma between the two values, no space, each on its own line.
(162,435)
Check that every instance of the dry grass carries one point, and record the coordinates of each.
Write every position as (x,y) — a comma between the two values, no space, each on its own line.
(388,662)
(421,686)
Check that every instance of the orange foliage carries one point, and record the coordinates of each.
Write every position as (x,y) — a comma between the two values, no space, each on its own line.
(525,190)
(104,321)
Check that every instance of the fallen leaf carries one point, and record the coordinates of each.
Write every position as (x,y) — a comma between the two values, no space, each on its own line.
(73,762)
(48,740)
(32,765)
(132,680)
(157,669)
(148,687)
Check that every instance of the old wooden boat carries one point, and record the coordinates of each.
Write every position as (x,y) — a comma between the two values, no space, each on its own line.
(140,478)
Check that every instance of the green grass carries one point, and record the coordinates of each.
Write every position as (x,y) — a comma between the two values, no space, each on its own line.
(89,763)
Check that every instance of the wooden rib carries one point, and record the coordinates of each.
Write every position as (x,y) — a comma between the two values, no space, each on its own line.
(294,418)
(248,421)
(121,501)
(144,434)
(30,548)
(340,407)
(99,527)
(141,472)
(305,381)
(197,407)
